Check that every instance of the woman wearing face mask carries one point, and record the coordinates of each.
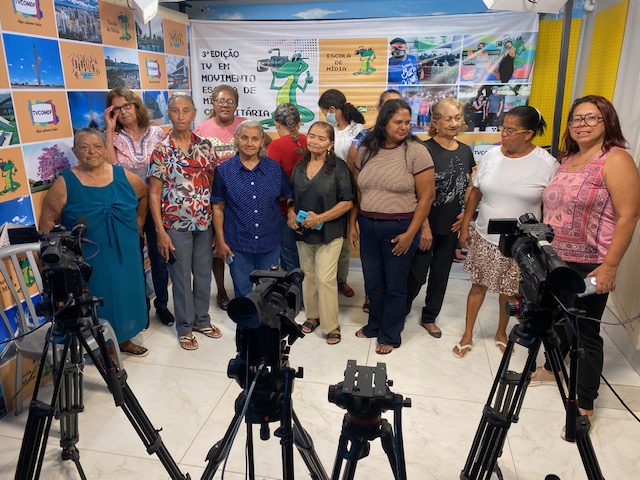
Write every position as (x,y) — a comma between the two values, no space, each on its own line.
(347,122)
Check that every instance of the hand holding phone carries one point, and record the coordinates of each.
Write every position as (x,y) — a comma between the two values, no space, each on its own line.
(172,257)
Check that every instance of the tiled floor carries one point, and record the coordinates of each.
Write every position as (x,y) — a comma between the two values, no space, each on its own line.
(189,396)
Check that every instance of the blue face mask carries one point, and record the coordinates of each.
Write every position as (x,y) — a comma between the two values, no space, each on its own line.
(331,118)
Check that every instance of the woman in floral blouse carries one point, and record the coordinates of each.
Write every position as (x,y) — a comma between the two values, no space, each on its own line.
(180,177)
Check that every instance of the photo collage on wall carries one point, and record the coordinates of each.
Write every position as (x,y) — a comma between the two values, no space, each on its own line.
(62,57)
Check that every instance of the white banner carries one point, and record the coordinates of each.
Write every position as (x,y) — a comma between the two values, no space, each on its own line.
(425,58)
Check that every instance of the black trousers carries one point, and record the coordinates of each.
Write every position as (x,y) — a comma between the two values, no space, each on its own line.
(589,367)
(437,263)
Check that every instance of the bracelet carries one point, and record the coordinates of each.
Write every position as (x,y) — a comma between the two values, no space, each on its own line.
(318,218)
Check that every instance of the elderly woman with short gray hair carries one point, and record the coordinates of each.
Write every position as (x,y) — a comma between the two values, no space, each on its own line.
(180,176)
(246,208)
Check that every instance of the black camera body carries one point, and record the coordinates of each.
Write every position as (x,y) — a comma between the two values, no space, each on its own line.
(265,319)
(545,277)
(65,273)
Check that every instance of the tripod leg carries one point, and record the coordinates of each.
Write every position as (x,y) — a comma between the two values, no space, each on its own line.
(389,447)
(250,456)
(219,451)
(502,409)
(149,435)
(304,444)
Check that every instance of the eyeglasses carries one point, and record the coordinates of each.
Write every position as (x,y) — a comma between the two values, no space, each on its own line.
(591,119)
(125,106)
(510,132)
(223,101)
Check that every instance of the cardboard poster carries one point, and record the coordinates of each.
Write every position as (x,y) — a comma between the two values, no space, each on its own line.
(353,61)
(83,66)
(153,71)
(42,115)
(33,17)
(175,38)
(117,24)
(13,178)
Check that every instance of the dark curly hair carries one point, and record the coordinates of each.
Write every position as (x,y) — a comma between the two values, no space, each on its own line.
(336,99)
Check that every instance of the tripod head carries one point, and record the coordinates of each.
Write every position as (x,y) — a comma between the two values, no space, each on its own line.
(365,392)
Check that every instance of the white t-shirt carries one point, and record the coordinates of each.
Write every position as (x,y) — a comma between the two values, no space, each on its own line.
(344,139)
(511,187)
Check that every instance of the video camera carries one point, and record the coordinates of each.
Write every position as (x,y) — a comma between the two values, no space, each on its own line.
(65,273)
(544,275)
(265,319)
(274,62)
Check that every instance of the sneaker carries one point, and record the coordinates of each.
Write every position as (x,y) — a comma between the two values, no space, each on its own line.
(542,376)
(166,317)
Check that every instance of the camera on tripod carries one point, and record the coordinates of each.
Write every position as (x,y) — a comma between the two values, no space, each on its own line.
(265,319)
(544,275)
(65,273)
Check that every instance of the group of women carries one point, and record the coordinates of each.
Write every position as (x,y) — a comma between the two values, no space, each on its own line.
(401,201)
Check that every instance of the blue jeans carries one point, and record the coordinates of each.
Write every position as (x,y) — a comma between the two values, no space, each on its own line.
(191,294)
(159,265)
(244,263)
(385,275)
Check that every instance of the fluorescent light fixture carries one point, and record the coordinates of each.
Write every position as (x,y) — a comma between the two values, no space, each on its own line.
(145,10)
(538,6)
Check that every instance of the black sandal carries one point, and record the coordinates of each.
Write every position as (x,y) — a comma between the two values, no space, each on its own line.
(223,302)
(334,336)
(308,326)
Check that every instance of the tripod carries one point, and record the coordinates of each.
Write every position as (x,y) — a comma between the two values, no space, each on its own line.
(507,394)
(364,390)
(67,398)
(272,402)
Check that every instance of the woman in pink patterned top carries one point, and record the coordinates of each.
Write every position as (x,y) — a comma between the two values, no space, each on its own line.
(130,139)
(593,205)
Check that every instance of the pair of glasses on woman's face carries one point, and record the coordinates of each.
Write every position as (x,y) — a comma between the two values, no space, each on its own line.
(510,132)
(125,106)
(590,119)
(225,101)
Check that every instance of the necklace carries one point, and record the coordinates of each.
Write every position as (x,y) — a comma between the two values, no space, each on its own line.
(589,158)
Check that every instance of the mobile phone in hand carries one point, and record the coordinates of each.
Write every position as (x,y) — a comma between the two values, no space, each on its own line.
(172,257)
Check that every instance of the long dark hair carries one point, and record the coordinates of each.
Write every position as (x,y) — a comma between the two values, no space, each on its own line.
(376,136)
(336,99)
(613,136)
(330,161)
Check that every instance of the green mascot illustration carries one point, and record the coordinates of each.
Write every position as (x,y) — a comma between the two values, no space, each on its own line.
(8,170)
(27,273)
(124,20)
(367,56)
(289,69)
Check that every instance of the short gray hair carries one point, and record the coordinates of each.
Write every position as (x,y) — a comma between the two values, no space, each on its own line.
(250,124)
(86,131)
(177,95)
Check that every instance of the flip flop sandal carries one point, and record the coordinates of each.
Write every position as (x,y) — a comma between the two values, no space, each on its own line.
(461,350)
(382,349)
(137,351)
(210,331)
(188,342)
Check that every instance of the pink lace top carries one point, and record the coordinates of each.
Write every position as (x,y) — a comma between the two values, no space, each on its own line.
(578,206)
(133,155)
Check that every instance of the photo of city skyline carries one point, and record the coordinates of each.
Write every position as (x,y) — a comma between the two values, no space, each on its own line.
(78,20)
(122,67)
(33,62)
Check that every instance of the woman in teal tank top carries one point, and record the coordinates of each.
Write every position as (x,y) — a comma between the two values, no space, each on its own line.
(114,204)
